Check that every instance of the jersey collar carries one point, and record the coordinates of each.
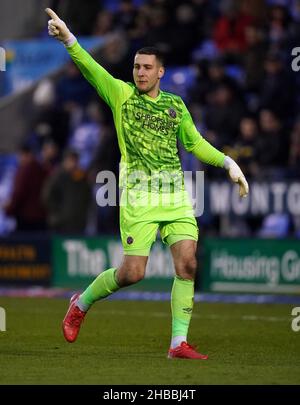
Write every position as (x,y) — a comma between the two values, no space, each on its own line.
(154,100)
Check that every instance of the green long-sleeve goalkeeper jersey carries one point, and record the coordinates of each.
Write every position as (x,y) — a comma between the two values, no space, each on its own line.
(147,128)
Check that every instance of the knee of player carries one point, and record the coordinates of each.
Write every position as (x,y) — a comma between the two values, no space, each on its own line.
(187,268)
(136,274)
(130,274)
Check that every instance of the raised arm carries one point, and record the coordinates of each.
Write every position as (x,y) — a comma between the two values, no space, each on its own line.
(204,151)
(113,91)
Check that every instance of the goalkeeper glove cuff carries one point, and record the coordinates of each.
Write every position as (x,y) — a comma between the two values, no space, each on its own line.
(236,175)
(70,41)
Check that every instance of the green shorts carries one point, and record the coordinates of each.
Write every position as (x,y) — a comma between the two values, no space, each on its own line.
(142,214)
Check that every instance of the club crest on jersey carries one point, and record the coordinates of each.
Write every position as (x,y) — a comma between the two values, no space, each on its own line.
(172,113)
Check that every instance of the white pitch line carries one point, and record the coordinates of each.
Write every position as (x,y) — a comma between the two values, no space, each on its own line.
(198,316)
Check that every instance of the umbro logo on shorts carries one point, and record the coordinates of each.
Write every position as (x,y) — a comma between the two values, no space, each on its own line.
(129,240)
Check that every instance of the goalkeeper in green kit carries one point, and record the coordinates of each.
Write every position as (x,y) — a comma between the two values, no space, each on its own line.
(148,123)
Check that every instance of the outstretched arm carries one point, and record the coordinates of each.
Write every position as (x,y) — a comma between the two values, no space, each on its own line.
(113,91)
(204,151)
(58,29)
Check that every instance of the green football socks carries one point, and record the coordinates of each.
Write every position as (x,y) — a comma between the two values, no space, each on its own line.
(182,299)
(104,285)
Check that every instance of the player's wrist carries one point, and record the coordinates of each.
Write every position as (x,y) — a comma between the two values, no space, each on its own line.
(228,162)
(69,41)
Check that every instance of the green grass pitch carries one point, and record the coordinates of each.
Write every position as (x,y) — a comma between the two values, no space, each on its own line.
(126,343)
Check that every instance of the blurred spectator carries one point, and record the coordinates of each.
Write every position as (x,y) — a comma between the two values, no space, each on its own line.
(73,95)
(271,144)
(50,119)
(138,32)
(79,15)
(184,35)
(104,23)
(67,196)
(253,58)
(205,12)
(223,114)
(107,157)
(159,33)
(87,136)
(211,76)
(126,15)
(49,156)
(277,89)
(107,154)
(114,56)
(72,87)
(295,10)
(245,148)
(229,33)
(257,9)
(278,22)
(25,203)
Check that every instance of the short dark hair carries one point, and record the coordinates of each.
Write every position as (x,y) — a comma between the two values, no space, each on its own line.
(152,50)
